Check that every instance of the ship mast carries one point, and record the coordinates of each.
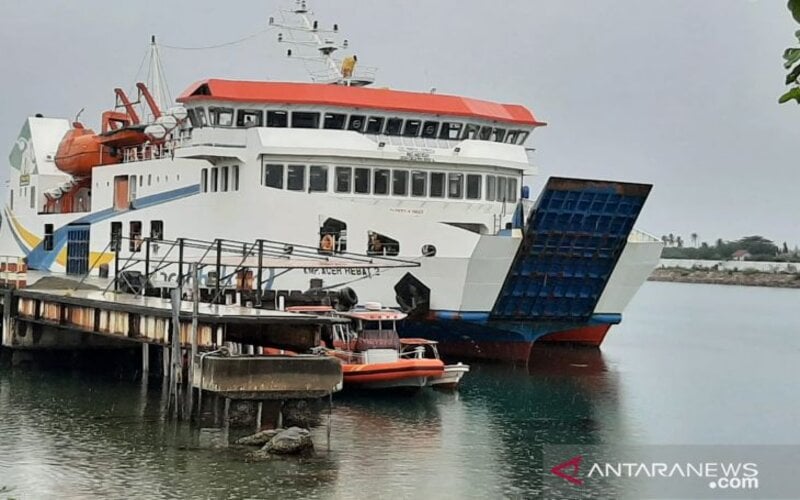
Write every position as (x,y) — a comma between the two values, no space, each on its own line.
(156,79)
(302,30)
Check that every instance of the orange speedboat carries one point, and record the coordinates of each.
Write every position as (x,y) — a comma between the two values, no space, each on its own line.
(370,350)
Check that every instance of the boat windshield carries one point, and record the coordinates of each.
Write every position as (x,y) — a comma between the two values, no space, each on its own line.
(374,338)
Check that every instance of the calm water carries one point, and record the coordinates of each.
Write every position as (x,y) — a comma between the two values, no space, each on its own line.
(691,364)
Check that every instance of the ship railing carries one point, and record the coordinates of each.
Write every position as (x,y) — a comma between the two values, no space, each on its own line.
(362,75)
(150,151)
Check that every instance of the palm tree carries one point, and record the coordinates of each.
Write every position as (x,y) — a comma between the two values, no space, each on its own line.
(671,239)
(694,239)
(679,242)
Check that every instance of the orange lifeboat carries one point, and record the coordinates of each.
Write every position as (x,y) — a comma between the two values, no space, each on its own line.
(81,149)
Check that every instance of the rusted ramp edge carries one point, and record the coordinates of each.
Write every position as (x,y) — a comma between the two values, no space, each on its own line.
(267,377)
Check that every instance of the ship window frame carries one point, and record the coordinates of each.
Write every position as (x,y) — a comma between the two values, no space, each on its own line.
(347,177)
(234,177)
(412,127)
(295,168)
(216,113)
(378,121)
(455,180)
(491,187)
(299,117)
(277,118)
(502,189)
(214,179)
(427,132)
(157,230)
(511,137)
(415,175)
(135,236)
(498,134)
(202,116)
(512,190)
(523,136)
(334,121)
(385,186)
(280,179)
(48,238)
(400,183)
(223,179)
(473,190)
(367,181)
(451,130)
(470,131)
(242,114)
(356,127)
(320,169)
(442,184)
(390,126)
(116,236)
(203,180)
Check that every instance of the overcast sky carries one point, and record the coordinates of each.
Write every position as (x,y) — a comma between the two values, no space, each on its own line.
(678,93)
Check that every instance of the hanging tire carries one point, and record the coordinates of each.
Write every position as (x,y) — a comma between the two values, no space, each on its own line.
(348,297)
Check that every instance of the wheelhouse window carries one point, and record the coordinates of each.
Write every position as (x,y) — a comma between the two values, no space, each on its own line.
(437,185)
(357,123)
(304,119)
(296,178)
(473,187)
(394,126)
(511,137)
(221,117)
(400,182)
(455,185)
(429,130)
(498,134)
(381,181)
(374,125)
(491,187)
(419,183)
(362,180)
(318,179)
(471,131)
(249,118)
(512,190)
(278,119)
(502,186)
(200,117)
(334,121)
(485,133)
(412,128)
(344,179)
(451,131)
(214,179)
(273,176)
(223,181)
(523,136)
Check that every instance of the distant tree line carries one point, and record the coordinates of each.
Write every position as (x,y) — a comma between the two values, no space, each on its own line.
(756,247)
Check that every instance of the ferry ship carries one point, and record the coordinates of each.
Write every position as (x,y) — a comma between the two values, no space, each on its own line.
(441,180)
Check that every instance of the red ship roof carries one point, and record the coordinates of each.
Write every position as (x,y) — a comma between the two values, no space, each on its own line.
(356,97)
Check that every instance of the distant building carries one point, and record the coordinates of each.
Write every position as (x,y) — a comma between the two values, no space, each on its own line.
(740,255)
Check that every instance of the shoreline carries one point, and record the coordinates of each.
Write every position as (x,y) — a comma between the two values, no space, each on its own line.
(726,277)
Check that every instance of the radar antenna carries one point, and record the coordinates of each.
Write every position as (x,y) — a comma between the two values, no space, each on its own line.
(302,30)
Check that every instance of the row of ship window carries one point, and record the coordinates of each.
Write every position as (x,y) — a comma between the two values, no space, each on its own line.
(384,181)
(219,179)
(377,125)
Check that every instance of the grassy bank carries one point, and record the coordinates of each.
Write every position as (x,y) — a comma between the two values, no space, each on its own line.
(747,277)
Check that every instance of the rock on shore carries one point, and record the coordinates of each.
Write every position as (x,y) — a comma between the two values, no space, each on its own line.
(291,441)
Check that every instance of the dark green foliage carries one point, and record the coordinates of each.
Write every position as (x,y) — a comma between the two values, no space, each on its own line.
(791,58)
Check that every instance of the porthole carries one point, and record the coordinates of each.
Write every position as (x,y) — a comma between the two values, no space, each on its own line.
(428,251)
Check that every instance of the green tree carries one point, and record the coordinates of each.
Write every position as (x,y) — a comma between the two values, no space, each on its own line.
(694,239)
(791,57)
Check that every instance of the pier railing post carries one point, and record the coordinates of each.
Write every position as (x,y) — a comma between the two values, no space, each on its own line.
(176,364)
(195,313)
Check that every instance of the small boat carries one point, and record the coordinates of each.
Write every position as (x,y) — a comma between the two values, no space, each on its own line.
(370,350)
(426,349)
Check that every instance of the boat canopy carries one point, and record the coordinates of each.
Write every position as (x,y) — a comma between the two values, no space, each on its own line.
(262,92)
